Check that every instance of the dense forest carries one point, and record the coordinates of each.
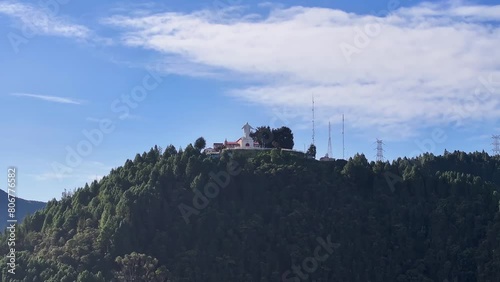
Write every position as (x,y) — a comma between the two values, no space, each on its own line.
(179,215)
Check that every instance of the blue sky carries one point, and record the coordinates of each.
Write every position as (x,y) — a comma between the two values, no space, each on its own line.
(422,76)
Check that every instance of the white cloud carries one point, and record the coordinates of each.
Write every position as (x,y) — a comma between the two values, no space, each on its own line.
(421,69)
(36,20)
(480,137)
(88,172)
(50,176)
(54,99)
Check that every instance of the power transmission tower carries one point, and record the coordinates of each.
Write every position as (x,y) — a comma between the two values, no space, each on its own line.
(380,151)
(496,144)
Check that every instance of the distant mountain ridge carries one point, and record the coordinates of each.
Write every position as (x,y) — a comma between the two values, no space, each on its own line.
(23,208)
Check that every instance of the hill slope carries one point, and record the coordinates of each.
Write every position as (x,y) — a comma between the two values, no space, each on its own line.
(274,217)
(23,208)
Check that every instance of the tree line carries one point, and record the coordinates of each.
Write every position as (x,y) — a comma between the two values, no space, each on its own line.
(438,222)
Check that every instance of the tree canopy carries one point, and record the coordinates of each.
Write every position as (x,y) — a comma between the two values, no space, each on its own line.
(311,151)
(273,138)
(179,215)
(200,144)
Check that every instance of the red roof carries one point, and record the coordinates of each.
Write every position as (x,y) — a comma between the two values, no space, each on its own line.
(237,142)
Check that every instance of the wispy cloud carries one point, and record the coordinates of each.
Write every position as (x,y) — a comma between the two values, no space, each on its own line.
(42,21)
(422,68)
(480,137)
(50,176)
(126,117)
(89,171)
(49,98)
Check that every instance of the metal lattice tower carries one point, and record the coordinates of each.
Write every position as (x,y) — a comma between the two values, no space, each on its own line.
(343,144)
(380,151)
(313,133)
(329,154)
(496,144)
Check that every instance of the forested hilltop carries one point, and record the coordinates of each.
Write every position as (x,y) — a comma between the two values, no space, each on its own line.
(184,216)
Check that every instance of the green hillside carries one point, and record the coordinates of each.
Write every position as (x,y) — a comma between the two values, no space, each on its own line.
(183,216)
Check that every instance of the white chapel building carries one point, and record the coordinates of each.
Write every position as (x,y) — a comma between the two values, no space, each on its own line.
(245,142)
